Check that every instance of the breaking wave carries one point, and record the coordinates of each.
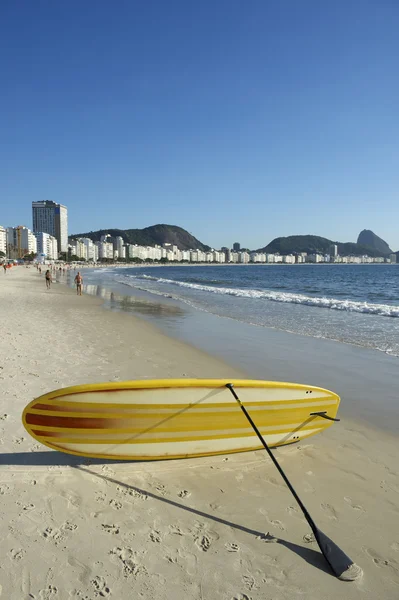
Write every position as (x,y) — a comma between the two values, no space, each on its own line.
(384,310)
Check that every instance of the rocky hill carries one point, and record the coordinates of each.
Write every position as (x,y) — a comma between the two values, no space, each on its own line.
(314,243)
(370,239)
(151,236)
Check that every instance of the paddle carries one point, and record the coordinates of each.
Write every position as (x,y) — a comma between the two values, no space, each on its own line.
(341,565)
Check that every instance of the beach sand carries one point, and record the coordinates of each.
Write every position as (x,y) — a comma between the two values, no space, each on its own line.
(76,528)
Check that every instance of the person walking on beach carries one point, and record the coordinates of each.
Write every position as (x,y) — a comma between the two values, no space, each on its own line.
(48,279)
(78,281)
(5,268)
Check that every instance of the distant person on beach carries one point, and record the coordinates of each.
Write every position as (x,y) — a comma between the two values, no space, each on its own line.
(78,281)
(48,279)
(5,268)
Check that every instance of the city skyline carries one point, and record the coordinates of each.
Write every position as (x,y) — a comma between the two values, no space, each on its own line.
(251,122)
(51,229)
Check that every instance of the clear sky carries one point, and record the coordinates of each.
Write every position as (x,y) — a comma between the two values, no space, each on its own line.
(237,120)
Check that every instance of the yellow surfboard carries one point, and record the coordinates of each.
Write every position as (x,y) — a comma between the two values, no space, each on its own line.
(176,418)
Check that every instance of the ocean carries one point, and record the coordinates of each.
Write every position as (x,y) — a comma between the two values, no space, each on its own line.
(352,304)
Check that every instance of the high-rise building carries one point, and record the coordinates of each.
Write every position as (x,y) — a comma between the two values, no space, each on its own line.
(3,240)
(236,246)
(50,217)
(333,250)
(20,241)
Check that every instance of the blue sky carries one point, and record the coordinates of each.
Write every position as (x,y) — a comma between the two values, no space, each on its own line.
(239,121)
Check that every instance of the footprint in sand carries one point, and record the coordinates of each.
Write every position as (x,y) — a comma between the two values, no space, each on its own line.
(240,597)
(249,582)
(17,554)
(203,542)
(161,489)
(73,498)
(54,535)
(4,417)
(130,562)
(353,505)
(155,536)
(309,538)
(100,587)
(330,510)
(293,511)
(48,593)
(232,547)
(273,522)
(188,561)
(18,440)
(203,538)
(175,530)
(67,526)
(111,529)
(115,504)
(85,574)
(184,494)
(379,560)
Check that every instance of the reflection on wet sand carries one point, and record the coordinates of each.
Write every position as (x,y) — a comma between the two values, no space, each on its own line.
(133,304)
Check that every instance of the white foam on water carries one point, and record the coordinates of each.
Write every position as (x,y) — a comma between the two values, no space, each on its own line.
(383,310)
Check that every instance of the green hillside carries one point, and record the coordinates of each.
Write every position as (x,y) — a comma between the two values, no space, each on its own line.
(151,236)
(313,243)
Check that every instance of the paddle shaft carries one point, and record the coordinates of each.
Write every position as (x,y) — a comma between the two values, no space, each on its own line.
(341,565)
(276,464)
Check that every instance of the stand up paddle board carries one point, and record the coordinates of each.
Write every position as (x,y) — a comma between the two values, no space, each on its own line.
(176,418)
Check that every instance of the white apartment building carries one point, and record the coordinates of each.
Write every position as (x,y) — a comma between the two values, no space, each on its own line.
(119,247)
(185,255)
(47,246)
(105,249)
(289,259)
(91,249)
(315,258)
(20,241)
(391,256)
(243,257)
(258,257)
(3,240)
(218,257)
(50,217)
(232,257)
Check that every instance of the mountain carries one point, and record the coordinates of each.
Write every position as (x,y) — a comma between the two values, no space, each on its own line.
(151,236)
(314,243)
(368,238)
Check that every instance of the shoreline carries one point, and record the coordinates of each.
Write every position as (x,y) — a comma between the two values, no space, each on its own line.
(184,529)
(264,352)
(217,264)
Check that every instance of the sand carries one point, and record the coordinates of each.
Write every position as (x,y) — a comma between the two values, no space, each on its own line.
(75,528)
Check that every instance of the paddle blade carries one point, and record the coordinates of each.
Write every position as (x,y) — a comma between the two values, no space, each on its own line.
(342,566)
